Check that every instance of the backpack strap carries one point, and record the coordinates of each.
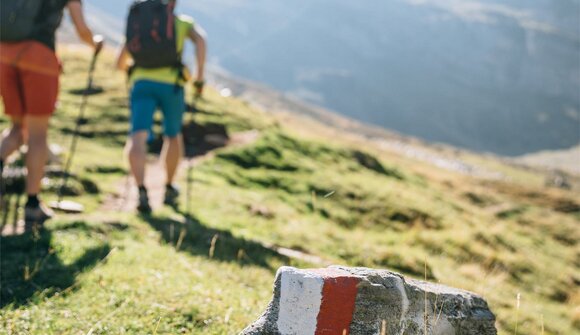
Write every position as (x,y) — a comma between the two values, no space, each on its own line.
(180,75)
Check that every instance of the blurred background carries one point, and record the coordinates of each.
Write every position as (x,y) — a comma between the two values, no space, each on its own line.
(487,75)
(411,135)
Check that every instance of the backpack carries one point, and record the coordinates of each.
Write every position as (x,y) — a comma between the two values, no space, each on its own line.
(17,19)
(150,34)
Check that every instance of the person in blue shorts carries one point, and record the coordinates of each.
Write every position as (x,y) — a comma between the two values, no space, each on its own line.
(154,42)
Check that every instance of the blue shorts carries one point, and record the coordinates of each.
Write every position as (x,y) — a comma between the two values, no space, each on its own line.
(147,96)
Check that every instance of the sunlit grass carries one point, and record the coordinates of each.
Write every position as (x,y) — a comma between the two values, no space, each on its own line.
(117,273)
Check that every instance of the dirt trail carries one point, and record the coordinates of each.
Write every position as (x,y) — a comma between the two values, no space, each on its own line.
(126,197)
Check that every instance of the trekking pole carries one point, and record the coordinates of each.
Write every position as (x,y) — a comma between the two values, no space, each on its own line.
(2,188)
(188,190)
(189,177)
(189,180)
(59,204)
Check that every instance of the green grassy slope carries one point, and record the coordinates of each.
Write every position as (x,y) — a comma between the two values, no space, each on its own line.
(105,272)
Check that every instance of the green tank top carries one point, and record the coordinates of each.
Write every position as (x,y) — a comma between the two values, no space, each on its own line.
(169,75)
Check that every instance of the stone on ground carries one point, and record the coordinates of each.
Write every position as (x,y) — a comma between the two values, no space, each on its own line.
(360,301)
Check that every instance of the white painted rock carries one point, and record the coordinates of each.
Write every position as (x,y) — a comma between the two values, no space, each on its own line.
(360,301)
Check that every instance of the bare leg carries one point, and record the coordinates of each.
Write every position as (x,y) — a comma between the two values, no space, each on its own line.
(12,138)
(37,152)
(137,150)
(172,153)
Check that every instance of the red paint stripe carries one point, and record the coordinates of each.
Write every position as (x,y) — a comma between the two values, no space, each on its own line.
(338,302)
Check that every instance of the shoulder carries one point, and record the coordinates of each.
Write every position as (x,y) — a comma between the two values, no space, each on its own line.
(185,20)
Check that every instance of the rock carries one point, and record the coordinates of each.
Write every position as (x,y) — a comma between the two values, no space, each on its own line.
(558,179)
(360,301)
(261,210)
(14,179)
(55,154)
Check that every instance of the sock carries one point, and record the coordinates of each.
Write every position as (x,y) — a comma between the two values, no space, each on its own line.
(169,186)
(142,189)
(32,200)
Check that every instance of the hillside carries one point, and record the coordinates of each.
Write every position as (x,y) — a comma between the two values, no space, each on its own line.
(562,159)
(488,75)
(296,183)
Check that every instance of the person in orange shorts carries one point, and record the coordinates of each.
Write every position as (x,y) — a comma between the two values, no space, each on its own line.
(29,83)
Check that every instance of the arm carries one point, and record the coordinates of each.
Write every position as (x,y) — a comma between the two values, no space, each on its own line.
(123,59)
(85,34)
(198,37)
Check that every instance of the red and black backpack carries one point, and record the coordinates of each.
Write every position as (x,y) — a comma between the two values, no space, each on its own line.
(151,34)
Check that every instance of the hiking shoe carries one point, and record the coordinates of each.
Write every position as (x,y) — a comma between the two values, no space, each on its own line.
(35,216)
(171,196)
(143,207)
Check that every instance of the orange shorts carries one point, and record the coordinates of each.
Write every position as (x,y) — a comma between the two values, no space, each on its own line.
(29,73)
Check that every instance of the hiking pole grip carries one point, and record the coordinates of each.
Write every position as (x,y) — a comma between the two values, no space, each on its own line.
(99,43)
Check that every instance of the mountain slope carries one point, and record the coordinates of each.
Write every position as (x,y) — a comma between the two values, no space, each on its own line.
(301,185)
(499,76)
(567,160)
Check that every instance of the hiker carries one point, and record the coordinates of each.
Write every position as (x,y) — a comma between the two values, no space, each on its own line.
(155,39)
(29,83)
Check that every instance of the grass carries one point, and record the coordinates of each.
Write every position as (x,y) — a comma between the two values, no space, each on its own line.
(106,272)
